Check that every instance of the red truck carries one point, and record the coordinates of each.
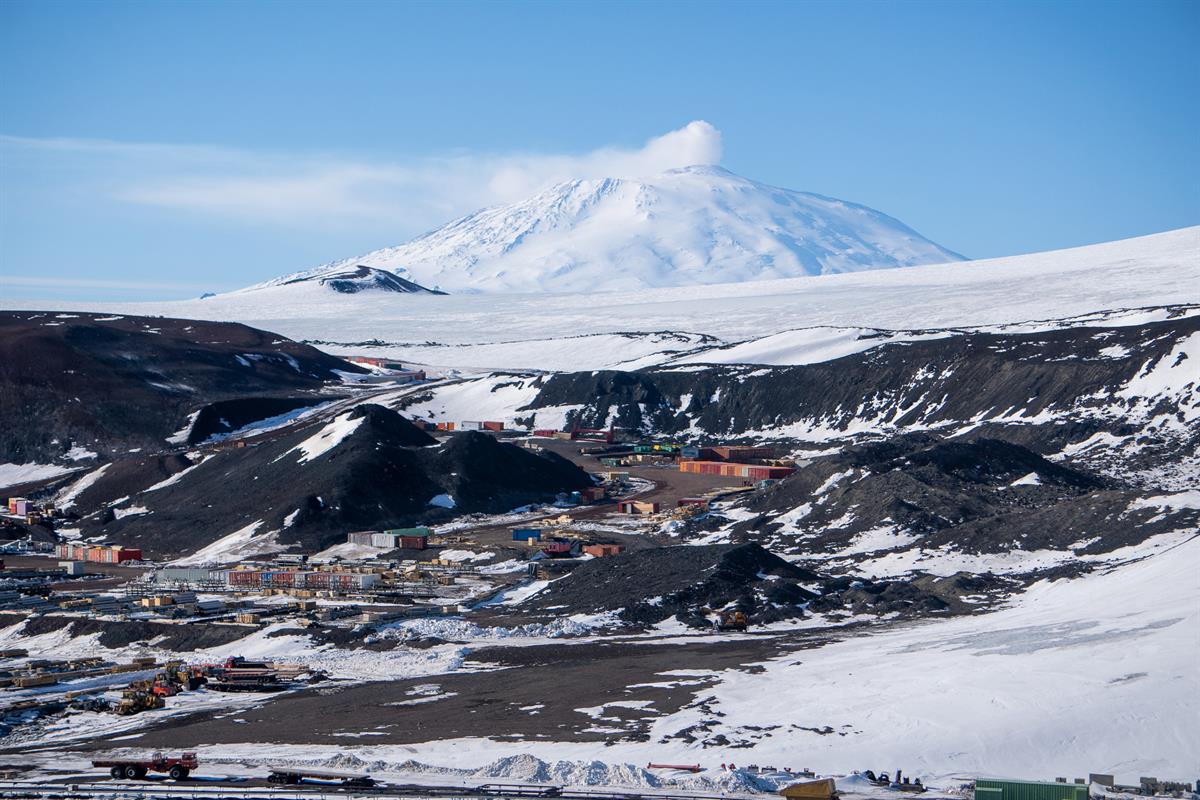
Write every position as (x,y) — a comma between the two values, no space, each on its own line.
(135,769)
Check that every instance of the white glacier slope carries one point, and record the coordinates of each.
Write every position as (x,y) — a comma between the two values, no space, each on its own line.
(695,225)
(553,331)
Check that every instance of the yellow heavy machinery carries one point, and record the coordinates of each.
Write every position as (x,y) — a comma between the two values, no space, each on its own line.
(732,621)
(138,697)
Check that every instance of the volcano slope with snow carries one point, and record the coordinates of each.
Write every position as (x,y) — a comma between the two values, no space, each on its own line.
(688,226)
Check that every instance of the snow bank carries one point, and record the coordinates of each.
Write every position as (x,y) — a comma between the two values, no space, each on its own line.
(326,439)
(240,545)
(14,474)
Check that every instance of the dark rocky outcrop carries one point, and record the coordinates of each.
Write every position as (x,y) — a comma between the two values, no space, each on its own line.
(382,474)
(1002,380)
(111,384)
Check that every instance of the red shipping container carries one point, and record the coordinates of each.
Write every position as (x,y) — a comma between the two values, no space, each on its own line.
(413,542)
(245,577)
(493,426)
(602,550)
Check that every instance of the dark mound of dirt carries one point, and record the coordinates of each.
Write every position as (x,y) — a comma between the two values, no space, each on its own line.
(649,586)
(112,384)
(389,426)
(485,475)
(987,462)
(113,634)
(925,595)
(366,469)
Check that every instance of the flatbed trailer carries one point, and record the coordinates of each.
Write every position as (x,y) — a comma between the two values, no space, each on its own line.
(297,775)
(136,769)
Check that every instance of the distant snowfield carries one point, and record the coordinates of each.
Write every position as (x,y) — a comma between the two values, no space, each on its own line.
(551,331)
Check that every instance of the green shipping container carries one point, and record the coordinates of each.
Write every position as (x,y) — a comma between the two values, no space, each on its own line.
(994,789)
(408,532)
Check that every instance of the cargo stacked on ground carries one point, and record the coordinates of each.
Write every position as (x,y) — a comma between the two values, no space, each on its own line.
(735,470)
(266,578)
(392,539)
(99,554)
(638,507)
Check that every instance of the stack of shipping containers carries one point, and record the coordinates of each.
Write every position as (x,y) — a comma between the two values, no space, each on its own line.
(98,554)
(752,471)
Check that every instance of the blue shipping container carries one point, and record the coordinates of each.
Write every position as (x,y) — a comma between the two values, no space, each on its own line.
(527,534)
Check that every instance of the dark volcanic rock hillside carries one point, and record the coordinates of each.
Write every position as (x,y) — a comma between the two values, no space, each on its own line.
(368,468)
(1045,390)
(920,502)
(693,583)
(653,585)
(110,384)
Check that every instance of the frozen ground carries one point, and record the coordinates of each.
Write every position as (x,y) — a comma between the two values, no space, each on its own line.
(16,474)
(1091,674)
(1158,270)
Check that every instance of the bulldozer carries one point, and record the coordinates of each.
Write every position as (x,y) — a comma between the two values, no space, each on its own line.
(138,697)
(137,702)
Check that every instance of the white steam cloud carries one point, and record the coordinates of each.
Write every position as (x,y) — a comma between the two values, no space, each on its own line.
(408,196)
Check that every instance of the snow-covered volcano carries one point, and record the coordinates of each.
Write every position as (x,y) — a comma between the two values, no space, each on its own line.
(689,226)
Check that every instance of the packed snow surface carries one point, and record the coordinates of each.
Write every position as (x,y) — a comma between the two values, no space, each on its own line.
(14,474)
(329,437)
(243,543)
(1039,690)
(526,331)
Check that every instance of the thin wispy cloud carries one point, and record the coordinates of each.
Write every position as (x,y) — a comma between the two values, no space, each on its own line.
(309,190)
(41,282)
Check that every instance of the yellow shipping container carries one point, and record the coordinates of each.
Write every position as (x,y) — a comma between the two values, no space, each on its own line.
(824,789)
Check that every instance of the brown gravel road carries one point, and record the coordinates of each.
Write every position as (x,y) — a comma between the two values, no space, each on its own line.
(527,693)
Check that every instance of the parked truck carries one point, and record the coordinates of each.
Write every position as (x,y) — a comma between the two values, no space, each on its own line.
(136,769)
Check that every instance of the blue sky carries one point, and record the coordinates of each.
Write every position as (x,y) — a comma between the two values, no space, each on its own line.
(163,149)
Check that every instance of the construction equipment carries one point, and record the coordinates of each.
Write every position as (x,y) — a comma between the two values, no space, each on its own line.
(900,784)
(732,621)
(237,674)
(139,697)
(91,704)
(135,769)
